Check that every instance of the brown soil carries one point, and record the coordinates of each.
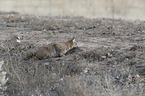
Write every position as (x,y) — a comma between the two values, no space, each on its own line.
(106,47)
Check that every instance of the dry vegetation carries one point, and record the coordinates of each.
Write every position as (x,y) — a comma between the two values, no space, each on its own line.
(109,59)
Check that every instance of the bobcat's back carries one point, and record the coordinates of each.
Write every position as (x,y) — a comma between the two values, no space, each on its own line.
(55,49)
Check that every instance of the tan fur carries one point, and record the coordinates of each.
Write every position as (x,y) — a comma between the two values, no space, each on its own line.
(55,49)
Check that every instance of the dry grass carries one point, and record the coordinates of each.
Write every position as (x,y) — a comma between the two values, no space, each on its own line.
(110,64)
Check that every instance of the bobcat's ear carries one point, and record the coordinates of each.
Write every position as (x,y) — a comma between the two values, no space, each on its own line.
(73,39)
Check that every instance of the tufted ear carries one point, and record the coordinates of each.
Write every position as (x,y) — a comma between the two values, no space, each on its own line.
(73,39)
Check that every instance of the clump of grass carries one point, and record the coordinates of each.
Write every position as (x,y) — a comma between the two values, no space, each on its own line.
(104,84)
(3,79)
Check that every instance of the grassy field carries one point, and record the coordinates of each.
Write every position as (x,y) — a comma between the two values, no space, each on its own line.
(109,59)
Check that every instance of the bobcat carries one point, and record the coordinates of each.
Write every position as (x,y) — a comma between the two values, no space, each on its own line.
(54,49)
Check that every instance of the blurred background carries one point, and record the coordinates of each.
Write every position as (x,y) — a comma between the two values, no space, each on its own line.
(126,9)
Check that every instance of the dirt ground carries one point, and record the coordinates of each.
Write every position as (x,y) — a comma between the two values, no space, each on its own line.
(108,61)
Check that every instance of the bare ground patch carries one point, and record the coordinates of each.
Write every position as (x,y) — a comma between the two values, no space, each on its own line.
(109,59)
